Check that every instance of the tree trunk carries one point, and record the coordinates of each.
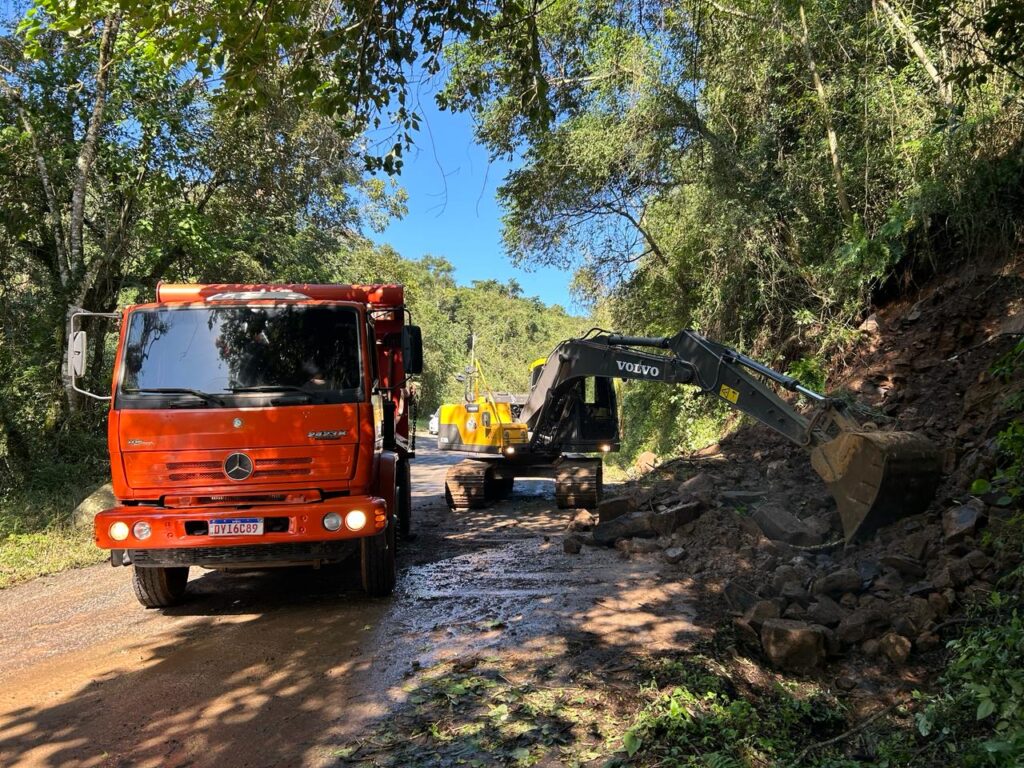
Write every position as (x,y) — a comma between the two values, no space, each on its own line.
(945,90)
(833,139)
(90,144)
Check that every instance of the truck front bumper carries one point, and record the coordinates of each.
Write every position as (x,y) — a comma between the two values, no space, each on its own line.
(300,526)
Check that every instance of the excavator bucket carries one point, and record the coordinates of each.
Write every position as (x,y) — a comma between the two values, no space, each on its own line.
(878,477)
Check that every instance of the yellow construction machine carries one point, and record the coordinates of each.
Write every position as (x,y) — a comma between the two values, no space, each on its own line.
(569,419)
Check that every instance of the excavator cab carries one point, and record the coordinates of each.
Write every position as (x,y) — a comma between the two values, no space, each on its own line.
(591,418)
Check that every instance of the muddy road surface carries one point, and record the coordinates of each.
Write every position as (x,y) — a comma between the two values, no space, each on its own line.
(280,667)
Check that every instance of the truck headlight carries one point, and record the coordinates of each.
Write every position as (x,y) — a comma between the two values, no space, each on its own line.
(118,531)
(332,521)
(355,520)
(141,530)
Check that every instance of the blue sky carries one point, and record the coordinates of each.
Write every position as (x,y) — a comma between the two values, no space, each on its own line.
(453,210)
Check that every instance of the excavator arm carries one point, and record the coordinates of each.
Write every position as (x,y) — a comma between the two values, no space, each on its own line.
(875,476)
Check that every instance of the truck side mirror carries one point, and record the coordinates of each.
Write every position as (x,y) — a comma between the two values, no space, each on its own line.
(77,345)
(77,354)
(412,349)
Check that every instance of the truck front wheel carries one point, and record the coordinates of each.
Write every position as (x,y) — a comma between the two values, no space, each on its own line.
(378,563)
(159,587)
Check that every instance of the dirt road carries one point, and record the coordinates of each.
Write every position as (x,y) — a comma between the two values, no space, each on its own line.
(279,667)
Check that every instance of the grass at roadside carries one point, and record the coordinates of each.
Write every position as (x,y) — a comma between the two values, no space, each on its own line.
(24,556)
(36,533)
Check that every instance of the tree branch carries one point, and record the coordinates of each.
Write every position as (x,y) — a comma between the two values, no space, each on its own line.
(945,90)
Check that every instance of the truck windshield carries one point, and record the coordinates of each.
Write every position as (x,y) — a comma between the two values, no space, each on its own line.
(250,350)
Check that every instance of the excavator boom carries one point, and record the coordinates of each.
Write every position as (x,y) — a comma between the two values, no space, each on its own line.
(876,477)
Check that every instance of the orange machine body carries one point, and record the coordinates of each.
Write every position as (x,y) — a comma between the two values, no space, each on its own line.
(307,460)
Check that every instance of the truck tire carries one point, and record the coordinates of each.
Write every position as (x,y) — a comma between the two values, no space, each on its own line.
(159,587)
(377,554)
(404,482)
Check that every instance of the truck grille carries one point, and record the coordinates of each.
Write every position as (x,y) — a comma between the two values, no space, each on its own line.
(297,466)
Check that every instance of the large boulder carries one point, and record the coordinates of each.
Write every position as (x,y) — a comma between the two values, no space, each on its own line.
(615,506)
(666,521)
(700,488)
(793,645)
(781,525)
(97,501)
(623,527)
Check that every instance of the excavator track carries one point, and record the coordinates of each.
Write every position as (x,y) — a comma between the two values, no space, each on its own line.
(578,483)
(467,483)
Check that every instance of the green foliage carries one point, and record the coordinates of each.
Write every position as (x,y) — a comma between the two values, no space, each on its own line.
(977,717)
(351,62)
(809,371)
(758,171)
(699,720)
(665,420)
(1008,480)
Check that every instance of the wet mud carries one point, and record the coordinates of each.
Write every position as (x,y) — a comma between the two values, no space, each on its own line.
(278,667)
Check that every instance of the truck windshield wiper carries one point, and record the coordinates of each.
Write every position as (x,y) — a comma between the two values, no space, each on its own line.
(289,388)
(205,396)
(272,388)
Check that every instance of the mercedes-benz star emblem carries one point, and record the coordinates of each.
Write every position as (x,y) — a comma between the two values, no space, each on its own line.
(238,466)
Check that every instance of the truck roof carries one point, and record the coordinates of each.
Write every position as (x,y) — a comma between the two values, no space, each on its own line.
(379,294)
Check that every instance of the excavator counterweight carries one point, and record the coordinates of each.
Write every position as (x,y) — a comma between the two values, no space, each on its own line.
(875,476)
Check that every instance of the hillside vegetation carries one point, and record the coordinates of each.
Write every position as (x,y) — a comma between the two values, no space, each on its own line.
(761,171)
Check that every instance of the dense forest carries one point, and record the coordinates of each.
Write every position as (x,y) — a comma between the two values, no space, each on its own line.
(765,171)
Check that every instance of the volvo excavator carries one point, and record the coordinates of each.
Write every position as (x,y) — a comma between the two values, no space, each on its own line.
(569,420)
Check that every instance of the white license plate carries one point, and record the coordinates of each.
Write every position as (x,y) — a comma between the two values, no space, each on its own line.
(237,526)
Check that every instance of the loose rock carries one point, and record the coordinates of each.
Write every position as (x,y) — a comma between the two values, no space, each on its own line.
(674,555)
(960,522)
(669,520)
(760,612)
(860,625)
(572,545)
(583,520)
(700,488)
(838,582)
(646,461)
(906,565)
(895,647)
(826,611)
(792,644)
(623,527)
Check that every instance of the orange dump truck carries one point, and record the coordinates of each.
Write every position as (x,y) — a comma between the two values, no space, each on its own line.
(257,426)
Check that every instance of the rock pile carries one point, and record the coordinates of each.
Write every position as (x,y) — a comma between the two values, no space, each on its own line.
(794,591)
(754,529)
